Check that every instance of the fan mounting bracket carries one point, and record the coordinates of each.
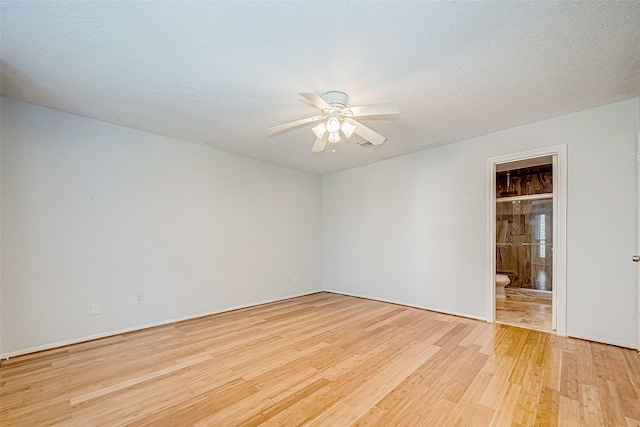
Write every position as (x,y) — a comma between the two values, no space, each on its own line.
(336,99)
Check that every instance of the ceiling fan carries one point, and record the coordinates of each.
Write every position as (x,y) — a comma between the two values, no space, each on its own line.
(337,118)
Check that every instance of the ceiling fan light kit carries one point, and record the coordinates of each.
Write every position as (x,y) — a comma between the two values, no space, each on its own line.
(337,117)
(333,126)
(347,128)
(320,130)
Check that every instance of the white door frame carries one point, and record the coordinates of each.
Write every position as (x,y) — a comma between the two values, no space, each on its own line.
(559,273)
(638,246)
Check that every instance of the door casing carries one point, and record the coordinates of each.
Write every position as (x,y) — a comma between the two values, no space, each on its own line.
(638,245)
(559,273)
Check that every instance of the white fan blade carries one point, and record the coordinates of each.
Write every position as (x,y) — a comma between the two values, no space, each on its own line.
(373,137)
(319,145)
(316,100)
(387,109)
(293,125)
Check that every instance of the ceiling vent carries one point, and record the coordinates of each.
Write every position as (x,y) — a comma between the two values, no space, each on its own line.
(364,143)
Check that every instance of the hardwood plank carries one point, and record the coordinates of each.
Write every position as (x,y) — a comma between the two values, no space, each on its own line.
(325,359)
(525,308)
(504,411)
(371,418)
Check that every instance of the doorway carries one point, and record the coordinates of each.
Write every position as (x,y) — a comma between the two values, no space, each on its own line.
(526,223)
(524,252)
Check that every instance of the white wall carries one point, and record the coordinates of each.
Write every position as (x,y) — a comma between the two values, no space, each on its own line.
(413,229)
(93,212)
(97,213)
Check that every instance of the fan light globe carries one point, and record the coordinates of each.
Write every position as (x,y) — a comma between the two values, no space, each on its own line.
(333,125)
(334,137)
(320,130)
(347,129)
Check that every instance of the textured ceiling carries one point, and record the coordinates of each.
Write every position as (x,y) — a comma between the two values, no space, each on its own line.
(222,73)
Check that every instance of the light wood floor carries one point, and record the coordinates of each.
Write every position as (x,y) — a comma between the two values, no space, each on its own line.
(526,308)
(325,359)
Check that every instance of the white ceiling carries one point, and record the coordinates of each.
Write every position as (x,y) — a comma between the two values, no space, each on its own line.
(222,73)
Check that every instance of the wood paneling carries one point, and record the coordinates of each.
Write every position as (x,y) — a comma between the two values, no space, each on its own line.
(525,181)
(325,359)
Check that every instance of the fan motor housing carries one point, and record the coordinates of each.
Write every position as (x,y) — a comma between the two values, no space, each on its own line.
(336,98)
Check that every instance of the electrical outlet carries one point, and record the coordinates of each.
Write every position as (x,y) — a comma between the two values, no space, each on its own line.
(140,296)
(95,309)
(295,279)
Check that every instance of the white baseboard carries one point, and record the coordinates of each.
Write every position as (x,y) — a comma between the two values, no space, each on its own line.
(21,352)
(632,346)
(50,346)
(437,310)
(582,337)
